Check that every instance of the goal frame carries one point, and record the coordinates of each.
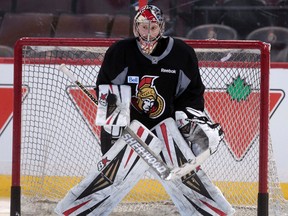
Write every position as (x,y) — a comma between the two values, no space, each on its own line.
(263,196)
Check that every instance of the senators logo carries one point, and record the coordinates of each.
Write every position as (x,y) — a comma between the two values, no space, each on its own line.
(147,100)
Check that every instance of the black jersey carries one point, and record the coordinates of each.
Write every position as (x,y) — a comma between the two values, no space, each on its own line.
(166,81)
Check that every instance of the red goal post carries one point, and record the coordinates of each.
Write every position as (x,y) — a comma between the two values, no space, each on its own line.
(236,75)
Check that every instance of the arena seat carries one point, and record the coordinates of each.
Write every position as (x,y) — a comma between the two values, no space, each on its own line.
(282,3)
(244,2)
(6,51)
(212,31)
(282,55)
(102,6)
(281,13)
(244,16)
(120,26)
(43,6)
(271,2)
(276,36)
(83,25)
(164,5)
(5,6)
(204,16)
(17,25)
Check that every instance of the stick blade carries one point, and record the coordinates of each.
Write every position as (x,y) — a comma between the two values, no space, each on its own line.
(178,172)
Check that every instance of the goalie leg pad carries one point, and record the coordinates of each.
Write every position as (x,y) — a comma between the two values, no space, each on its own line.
(113,177)
(193,194)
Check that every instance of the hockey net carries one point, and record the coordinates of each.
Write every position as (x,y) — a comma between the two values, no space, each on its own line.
(56,143)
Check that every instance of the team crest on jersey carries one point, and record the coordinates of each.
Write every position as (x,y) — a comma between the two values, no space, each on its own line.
(147,99)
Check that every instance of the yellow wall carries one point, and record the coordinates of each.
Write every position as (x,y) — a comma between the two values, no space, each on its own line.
(150,189)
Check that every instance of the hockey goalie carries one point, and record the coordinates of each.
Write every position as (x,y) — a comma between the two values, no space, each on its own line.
(151,113)
(137,150)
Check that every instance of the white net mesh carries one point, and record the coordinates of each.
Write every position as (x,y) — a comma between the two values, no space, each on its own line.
(60,143)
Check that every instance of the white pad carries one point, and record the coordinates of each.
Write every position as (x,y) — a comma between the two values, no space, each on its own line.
(113,105)
(194,193)
(113,177)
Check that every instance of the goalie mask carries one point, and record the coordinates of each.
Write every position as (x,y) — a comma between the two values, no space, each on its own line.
(148,27)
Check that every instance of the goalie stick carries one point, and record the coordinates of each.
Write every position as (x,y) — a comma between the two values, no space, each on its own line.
(142,149)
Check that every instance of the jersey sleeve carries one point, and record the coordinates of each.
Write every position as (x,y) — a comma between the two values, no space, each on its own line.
(113,63)
(193,93)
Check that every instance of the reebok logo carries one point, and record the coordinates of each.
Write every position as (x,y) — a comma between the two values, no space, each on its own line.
(168,71)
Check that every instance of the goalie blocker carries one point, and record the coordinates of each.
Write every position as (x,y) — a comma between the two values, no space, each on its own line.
(102,190)
(113,105)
